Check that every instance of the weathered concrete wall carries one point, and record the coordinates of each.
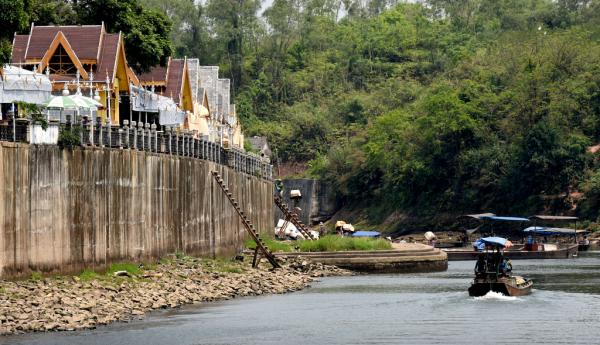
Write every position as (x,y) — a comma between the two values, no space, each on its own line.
(317,203)
(65,210)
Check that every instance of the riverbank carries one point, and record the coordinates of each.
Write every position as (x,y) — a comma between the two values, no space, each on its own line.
(86,301)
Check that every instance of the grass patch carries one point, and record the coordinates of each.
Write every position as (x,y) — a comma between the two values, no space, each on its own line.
(88,275)
(273,244)
(223,266)
(335,243)
(132,269)
(36,275)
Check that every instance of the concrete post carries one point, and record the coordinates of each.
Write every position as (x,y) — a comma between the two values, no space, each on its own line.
(148,136)
(126,131)
(109,131)
(101,135)
(91,129)
(170,132)
(135,139)
(142,135)
(155,136)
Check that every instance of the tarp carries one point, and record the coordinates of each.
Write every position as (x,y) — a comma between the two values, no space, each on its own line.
(429,236)
(506,219)
(552,218)
(20,85)
(542,230)
(366,234)
(290,230)
(478,216)
(492,241)
(148,101)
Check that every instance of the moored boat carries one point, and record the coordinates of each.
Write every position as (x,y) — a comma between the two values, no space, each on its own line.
(531,249)
(553,251)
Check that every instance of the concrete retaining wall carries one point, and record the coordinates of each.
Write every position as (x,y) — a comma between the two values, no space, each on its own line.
(317,203)
(65,210)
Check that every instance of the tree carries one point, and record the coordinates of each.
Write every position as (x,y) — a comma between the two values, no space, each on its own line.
(146,31)
(14,17)
(234,23)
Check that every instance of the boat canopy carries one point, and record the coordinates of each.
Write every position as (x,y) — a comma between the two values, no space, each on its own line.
(506,219)
(478,216)
(366,234)
(500,242)
(552,218)
(542,230)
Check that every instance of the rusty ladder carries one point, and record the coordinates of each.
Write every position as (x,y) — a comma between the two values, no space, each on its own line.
(292,217)
(260,245)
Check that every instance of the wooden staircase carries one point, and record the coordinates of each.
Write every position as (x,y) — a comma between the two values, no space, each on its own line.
(292,217)
(260,245)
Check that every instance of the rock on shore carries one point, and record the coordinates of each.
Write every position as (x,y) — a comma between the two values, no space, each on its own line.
(70,303)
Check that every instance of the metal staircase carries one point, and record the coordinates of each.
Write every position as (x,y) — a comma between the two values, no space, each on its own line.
(260,245)
(292,217)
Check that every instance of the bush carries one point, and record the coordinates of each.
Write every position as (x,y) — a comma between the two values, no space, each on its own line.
(69,137)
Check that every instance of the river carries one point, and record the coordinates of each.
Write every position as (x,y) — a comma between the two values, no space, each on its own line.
(429,308)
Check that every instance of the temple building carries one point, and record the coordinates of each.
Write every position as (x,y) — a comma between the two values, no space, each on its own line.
(172,81)
(80,57)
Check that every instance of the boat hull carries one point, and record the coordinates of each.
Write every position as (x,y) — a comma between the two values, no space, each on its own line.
(506,287)
(560,253)
(584,247)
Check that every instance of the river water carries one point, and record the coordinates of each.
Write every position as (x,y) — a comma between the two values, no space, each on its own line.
(429,308)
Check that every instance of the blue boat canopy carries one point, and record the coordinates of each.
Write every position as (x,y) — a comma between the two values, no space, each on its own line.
(366,234)
(542,230)
(507,219)
(490,241)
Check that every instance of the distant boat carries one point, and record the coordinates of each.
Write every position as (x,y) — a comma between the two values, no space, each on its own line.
(532,249)
(493,271)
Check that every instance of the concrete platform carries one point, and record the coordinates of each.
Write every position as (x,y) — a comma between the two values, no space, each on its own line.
(404,258)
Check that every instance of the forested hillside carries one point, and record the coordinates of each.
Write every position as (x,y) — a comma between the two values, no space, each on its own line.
(444,106)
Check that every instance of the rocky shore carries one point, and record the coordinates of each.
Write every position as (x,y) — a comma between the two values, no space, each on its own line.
(86,301)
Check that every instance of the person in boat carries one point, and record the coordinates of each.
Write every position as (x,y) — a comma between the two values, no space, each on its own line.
(480,265)
(497,259)
(505,267)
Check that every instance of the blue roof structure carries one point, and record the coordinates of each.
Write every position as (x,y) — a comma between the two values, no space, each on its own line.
(507,219)
(366,234)
(542,230)
(491,241)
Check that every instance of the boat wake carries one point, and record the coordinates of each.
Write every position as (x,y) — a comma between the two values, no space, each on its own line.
(496,296)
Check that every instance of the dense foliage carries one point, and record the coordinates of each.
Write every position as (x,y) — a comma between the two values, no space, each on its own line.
(146,30)
(441,106)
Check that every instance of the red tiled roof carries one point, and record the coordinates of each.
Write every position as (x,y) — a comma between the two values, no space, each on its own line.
(108,56)
(19,47)
(175,79)
(157,73)
(85,40)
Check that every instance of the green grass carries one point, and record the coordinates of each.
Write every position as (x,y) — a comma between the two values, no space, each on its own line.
(334,243)
(273,244)
(88,275)
(36,275)
(132,269)
(223,266)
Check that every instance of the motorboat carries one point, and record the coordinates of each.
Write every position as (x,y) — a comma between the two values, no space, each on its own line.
(493,272)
